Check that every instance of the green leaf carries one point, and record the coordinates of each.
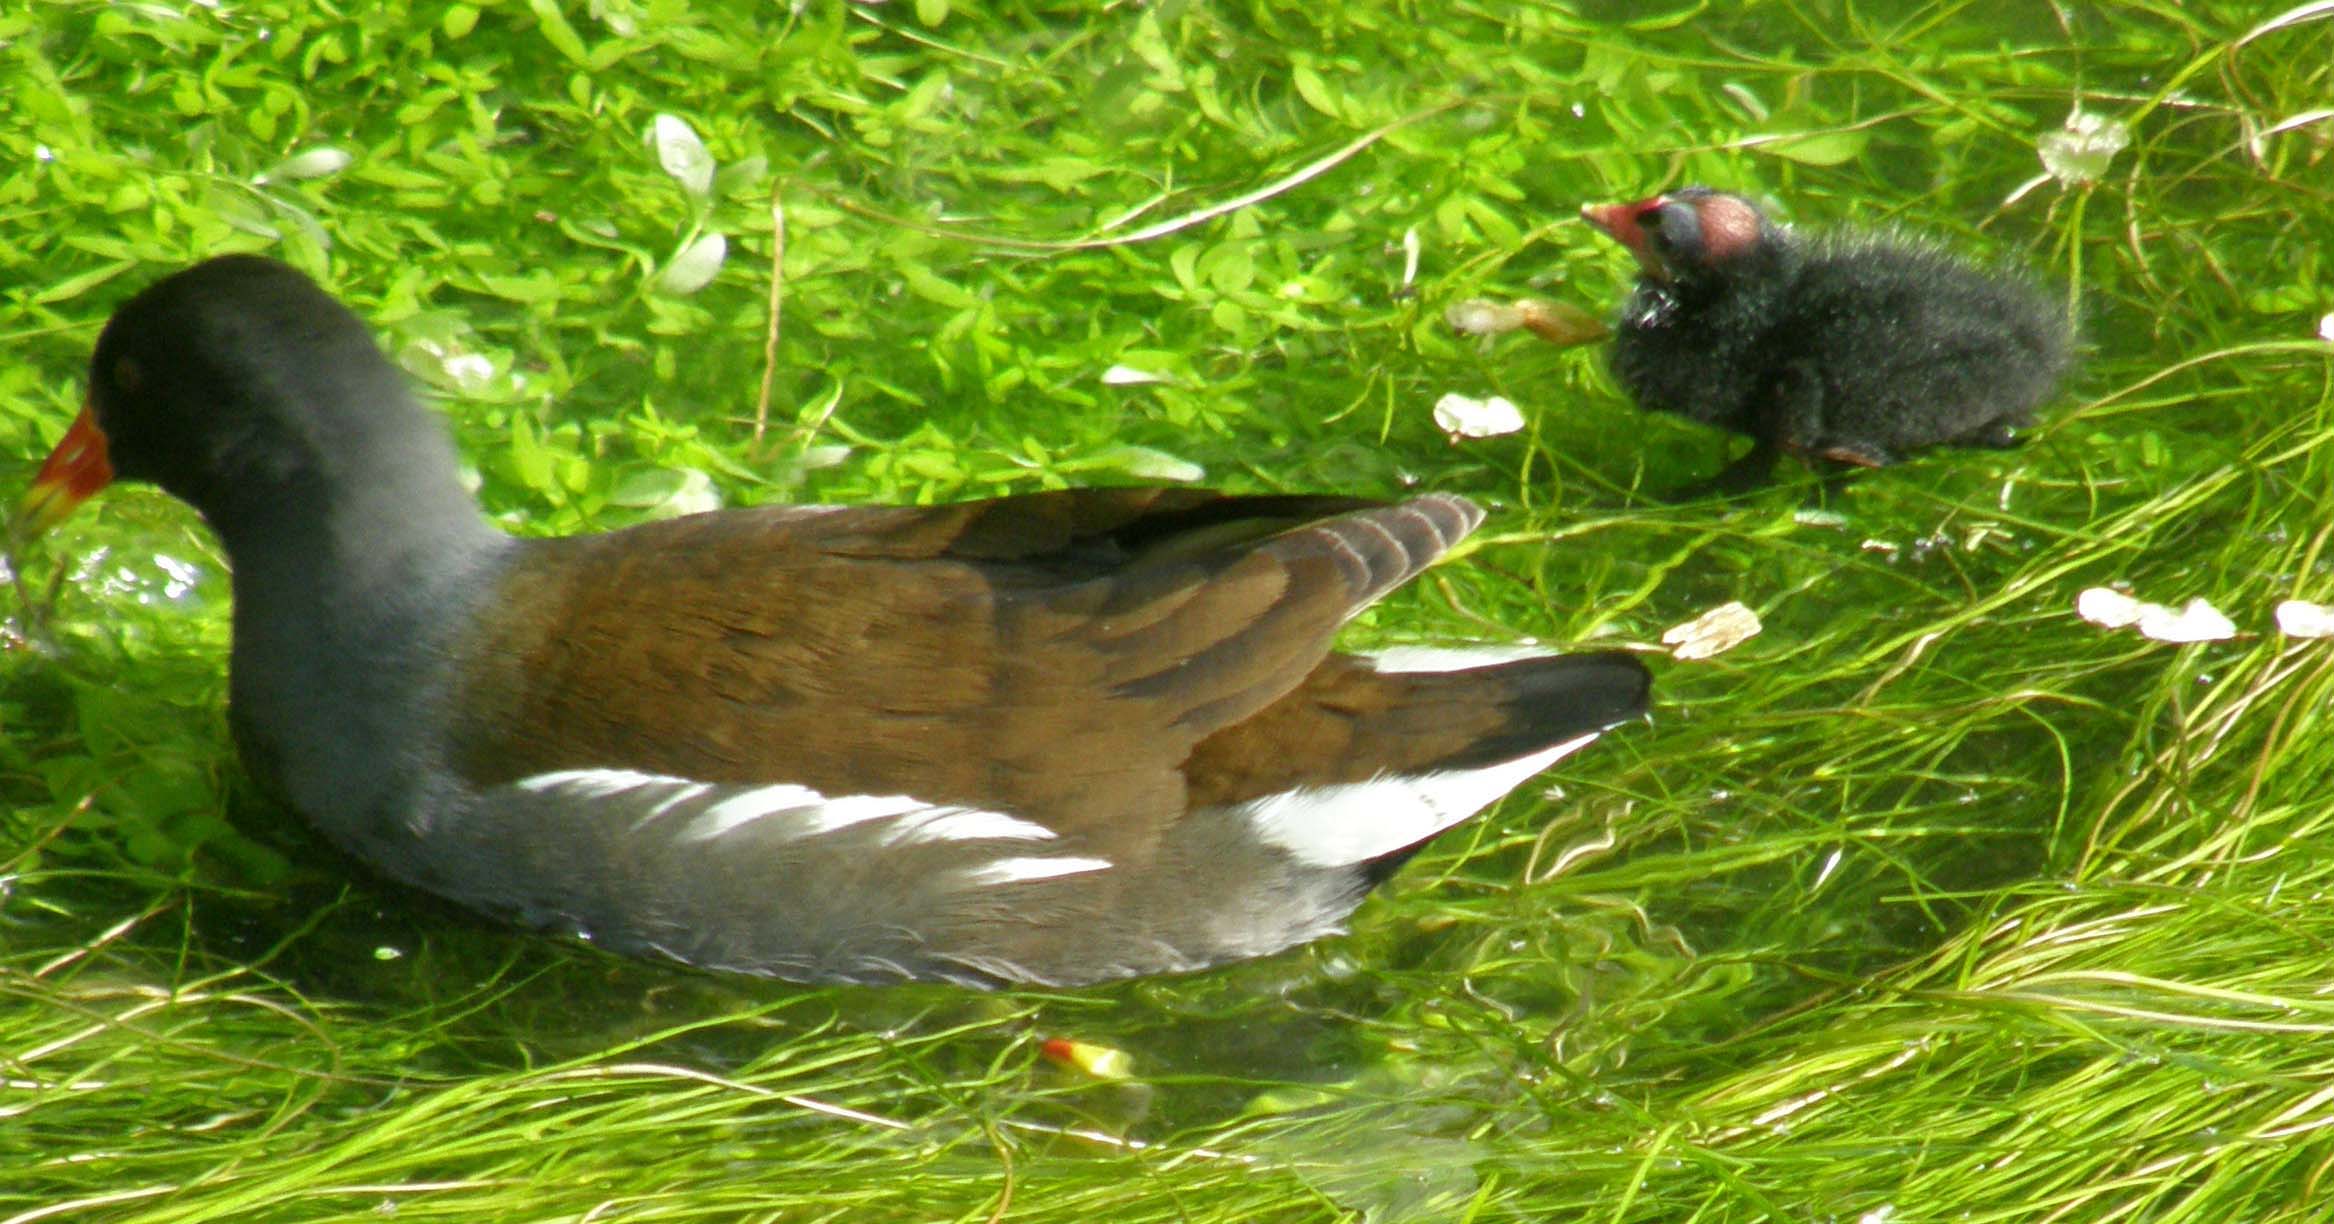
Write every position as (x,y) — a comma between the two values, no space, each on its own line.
(1817,148)
(1229,266)
(924,284)
(666,492)
(529,461)
(1142,463)
(932,465)
(1315,91)
(74,286)
(537,289)
(558,33)
(1184,263)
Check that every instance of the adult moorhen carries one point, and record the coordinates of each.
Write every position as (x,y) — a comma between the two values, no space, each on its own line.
(1853,347)
(1053,738)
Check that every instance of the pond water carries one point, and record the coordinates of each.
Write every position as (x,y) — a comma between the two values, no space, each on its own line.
(1875,918)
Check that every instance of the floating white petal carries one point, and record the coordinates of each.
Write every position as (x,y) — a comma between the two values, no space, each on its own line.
(1714,632)
(2194,621)
(682,154)
(2299,618)
(1462,416)
(694,266)
(2108,608)
(2079,152)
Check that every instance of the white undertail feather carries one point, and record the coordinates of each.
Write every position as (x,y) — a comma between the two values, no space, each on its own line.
(1354,822)
(1407,659)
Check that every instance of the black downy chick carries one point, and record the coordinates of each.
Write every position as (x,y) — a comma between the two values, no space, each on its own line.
(1853,347)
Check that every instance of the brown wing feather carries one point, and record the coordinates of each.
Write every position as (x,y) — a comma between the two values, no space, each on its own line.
(1057,656)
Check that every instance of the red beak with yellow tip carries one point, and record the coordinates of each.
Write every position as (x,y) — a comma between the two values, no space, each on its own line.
(74,471)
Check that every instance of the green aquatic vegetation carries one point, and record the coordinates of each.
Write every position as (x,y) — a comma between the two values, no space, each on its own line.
(1932,901)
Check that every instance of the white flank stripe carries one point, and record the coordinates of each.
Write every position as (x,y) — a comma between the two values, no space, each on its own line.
(833,814)
(745,807)
(811,813)
(1015,870)
(964,824)
(593,783)
(679,796)
(1402,659)
(1354,822)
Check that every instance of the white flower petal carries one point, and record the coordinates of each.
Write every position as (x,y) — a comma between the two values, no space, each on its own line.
(682,154)
(694,266)
(2196,621)
(1462,416)
(2107,607)
(2299,618)
(2080,152)
(1714,632)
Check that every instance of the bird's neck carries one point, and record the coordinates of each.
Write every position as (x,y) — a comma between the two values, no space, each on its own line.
(322,548)
(347,591)
(1753,281)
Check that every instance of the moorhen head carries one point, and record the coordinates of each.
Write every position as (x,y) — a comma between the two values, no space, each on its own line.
(1859,348)
(1053,738)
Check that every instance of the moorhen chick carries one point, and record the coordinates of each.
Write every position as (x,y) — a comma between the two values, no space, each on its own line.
(1052,738)
(1859,348)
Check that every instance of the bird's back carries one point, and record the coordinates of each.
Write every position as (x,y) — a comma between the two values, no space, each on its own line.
(1919,347)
